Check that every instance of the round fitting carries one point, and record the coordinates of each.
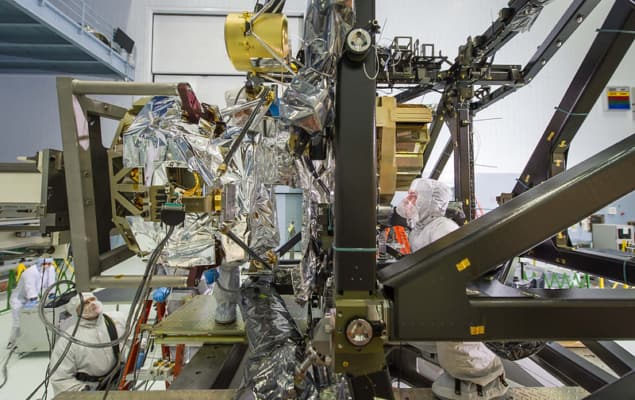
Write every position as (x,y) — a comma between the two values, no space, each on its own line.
(359,332)
(358,42)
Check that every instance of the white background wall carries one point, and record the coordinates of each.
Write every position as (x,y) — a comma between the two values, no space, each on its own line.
(507,132)
(28,104)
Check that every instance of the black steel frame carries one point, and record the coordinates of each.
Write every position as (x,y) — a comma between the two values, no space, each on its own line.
(438,274)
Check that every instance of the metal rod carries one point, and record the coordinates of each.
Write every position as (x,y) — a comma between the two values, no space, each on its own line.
(127,281)
(227,232)
(282,250)
(243,132)
(124,88)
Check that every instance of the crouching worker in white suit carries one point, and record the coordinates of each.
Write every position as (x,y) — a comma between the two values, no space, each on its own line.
(472,371)
(86,368)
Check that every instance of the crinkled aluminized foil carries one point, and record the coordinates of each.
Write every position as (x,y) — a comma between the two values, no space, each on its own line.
(306,102)
(276,346)
(190,245)
(263,220)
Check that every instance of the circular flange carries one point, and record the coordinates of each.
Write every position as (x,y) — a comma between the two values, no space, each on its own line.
(359,332)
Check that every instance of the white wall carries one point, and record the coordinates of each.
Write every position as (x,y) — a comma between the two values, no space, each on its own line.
(140,21)
(504,144)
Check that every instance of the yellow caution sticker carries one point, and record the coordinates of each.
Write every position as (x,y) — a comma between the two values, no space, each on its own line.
(477,330)
(463,264)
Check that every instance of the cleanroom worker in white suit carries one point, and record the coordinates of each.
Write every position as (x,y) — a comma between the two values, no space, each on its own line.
(33,282)
(472,371)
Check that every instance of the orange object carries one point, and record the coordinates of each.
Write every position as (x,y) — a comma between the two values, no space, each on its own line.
(401,237)
(134,351)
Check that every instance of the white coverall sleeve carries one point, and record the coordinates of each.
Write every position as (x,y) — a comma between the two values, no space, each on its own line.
(32,282)
(63,379)
(51,278)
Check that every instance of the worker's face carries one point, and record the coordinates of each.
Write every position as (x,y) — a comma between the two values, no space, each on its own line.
(46,264)
(92,308)
(408,206)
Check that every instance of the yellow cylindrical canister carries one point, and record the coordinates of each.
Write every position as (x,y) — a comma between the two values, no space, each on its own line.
(245,50)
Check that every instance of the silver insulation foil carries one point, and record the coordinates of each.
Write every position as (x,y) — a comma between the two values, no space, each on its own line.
(189,246)
(524,21)
(307,105)
(515,350)
(325,26)
(158,137)
(275,344)
(308,101)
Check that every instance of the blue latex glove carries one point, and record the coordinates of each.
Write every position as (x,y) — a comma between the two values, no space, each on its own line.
(31,304)
(140,359)
(211,275)
(160,295)
(274,108)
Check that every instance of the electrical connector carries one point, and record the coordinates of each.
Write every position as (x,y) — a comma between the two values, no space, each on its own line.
(172,214)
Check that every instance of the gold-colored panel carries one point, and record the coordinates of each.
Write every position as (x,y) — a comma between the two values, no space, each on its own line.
(246,52)
(194,323)
(402,136)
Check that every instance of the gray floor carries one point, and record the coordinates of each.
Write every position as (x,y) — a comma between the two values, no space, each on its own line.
(24,374)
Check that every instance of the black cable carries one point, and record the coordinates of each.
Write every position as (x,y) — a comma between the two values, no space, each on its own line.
(5,371)
(51,371)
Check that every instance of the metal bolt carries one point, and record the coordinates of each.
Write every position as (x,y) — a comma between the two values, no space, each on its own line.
(579,19)
(559,43)
(345,364)
(543,62)
(340,347)
(88,202)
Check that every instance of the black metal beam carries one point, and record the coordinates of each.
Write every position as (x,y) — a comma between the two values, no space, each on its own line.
(615,356)
(503,29)
(435,128)
(622,389)
(603,58)
(355,172)
(619,269)
(212,367)
(461,130)
(572,368)
(442,269)
(414,92)
(443,159)
(568,23)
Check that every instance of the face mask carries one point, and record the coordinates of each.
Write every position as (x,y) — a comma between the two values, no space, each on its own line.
(92,310)
(407,208)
